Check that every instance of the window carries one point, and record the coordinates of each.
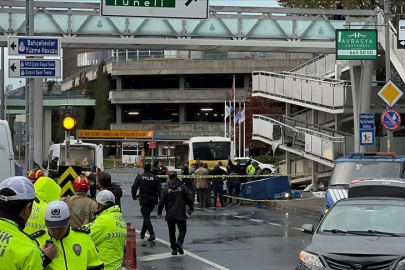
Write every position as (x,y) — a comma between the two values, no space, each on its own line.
(211,151)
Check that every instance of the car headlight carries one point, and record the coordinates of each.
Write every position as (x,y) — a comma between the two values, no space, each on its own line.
(310,259)
(401,265)
(326,210)
(287,195)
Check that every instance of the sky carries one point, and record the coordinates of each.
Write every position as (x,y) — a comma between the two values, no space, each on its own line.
(251,3)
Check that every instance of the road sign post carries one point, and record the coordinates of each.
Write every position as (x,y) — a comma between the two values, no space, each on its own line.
(27,68)
(176,9)
(367,129)
(356,44)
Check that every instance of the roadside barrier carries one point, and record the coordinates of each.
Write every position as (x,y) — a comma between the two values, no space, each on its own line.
(130,261)
(218,202)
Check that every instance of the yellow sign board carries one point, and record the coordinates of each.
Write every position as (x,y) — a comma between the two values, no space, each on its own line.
(390,93)
(66,179)
(116,134)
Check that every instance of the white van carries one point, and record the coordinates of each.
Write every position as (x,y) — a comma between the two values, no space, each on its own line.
(7,168)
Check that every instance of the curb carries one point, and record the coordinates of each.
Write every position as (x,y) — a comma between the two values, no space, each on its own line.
(301,210)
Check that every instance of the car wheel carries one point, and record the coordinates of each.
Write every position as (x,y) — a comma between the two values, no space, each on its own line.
(93,191)
(266,171)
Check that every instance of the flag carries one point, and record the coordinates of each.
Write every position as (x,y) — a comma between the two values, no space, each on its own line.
(233,90)
(227,111)
(242,116)
(232,109)
(237,117)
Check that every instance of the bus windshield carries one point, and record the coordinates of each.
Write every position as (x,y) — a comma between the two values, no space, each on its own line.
(211,150)
(346,172)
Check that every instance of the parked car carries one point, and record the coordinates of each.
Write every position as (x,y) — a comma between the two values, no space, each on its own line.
(266,168)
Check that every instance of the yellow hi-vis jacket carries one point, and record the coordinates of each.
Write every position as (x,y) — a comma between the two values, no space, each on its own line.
(250,170)
(46,190)
(75,251)
(108,232)
(18,251)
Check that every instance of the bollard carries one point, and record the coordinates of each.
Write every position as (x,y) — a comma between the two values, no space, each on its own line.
(130,249)
(218,202)
(115,166)
(135,164)
(126,166)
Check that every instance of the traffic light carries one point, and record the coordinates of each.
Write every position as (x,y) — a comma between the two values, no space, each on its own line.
(69,123)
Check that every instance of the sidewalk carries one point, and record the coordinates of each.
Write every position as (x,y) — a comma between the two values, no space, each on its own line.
(307,206)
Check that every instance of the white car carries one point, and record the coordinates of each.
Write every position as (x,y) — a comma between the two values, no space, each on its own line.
(266,168)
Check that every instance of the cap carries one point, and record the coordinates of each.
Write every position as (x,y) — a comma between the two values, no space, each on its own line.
(22,187)
(56,214)
(172,175)
(147,166)
(105,197)
(55,157)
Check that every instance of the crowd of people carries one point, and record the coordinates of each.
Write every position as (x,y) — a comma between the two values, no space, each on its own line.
(45,230)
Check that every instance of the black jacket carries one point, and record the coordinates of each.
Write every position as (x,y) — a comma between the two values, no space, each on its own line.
(160,171)
(174,198)
(150,187)
(117,191)
(239,170)
(53,165)
(218,171)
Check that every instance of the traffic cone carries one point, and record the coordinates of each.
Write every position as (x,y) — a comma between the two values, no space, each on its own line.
(115,166)
(130,249)
(135,164)
(218,202)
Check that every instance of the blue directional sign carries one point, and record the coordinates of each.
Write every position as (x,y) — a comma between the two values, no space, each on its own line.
(34,46)
(26,68)
(391,119)
(366,121)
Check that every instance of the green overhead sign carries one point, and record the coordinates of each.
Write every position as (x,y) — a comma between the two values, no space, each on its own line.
(356,44)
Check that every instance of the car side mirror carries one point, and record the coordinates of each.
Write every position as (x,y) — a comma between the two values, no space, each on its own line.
(308,228)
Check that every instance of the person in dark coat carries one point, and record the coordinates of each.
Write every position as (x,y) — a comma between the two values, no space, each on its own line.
(338,5)
(218,184)
(174,199)
(149,191)
(53,165)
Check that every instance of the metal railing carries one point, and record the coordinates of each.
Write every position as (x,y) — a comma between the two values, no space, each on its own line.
(51,96)
(321,65)
(178,89)
(327,93)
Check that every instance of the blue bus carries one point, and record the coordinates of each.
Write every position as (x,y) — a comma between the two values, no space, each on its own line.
(357,166)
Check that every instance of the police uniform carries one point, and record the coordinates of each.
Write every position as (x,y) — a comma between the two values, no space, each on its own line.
(17,250)
(109,231)
(75,251)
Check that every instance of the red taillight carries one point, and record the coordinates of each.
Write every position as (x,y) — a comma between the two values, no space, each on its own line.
(356,181)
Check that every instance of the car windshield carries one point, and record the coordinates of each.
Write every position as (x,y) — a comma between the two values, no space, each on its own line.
(346,172)
(365,218)
(212,150)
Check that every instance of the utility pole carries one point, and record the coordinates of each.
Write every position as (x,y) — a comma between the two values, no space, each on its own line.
(387,13)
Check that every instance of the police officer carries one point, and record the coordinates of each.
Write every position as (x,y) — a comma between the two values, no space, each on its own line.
(46,191)
(149,192)
(80,206)
(53,165)
(174,198)
(18,251)
(161,170)
(74,246)
(109,230)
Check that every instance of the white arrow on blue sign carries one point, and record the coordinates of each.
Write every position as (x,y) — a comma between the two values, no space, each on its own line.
(34,46)
(27,68)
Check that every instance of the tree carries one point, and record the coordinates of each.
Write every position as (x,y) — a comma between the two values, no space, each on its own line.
(347,4)
(256,105)
(100,92)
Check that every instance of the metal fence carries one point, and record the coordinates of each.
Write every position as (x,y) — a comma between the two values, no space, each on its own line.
(51,96)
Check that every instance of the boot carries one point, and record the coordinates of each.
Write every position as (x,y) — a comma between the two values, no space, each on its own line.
(142,234)
(180,248)
(174,249)
(152,236)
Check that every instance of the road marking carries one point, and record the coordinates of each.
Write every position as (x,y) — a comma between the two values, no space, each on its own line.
(209,210)
(219,267)
(298,229)
(155,257)
(257,220)
(224,214)
(240,216)
(275,224)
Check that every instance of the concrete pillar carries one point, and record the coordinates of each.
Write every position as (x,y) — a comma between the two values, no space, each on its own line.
(366,78)
(38,113)
(182,113)
(355,77)
(182,82)
(119,83)
(118,114)
(246,82)
(314,163)
(288,154)
(47,131)
(338,71)
(338,121)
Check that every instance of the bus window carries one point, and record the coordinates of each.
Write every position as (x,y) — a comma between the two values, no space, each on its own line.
(211,151)
(180,155)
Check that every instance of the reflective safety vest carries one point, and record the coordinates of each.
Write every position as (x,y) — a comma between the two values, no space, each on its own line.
(17,250)
(46,191)
(108,232)
(75,251)
(250,170)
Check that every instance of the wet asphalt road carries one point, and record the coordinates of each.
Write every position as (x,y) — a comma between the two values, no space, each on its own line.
(237,237)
